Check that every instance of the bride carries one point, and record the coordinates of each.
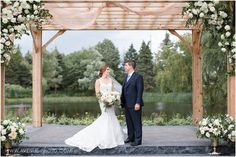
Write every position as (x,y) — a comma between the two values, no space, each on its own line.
(105,132)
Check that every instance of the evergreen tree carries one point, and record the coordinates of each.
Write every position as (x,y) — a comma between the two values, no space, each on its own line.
(56,82)
(145,66)
(17,71)
(167,42)
(131,54)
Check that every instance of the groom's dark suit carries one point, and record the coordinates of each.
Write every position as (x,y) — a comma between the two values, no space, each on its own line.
(132,92)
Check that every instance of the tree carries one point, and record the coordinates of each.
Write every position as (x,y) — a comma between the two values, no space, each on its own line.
(173,67)
(93,62)
(167,42)
(72,71)
(52,70)
(131,54)
(58,77)
(145,66)
(111,57)
(17,71)
(214,77)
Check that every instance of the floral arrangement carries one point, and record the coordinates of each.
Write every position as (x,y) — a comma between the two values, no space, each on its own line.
(221,127)
(12,131)
(210,128)
(229,129)
(214,17)
(110,98)
(16,18)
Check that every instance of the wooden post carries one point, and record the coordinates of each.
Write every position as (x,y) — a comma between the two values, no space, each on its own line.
(2,90)
(197,76)
(37,77)
(231,96)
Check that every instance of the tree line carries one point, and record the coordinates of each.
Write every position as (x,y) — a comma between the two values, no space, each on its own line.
(166,71)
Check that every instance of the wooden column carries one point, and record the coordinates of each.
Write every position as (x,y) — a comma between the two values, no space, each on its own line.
(2,90)
(231,96)
(37,77)
(197,76)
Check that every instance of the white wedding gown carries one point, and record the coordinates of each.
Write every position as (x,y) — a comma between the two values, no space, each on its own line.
(105,132)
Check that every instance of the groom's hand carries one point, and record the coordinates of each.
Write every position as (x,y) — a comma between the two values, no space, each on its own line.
(137,107)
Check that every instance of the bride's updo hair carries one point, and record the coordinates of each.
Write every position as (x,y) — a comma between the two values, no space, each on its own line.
(102,70)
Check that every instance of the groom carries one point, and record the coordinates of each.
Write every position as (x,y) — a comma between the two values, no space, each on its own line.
(131,100)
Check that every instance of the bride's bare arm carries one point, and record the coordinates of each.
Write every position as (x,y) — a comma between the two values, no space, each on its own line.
(97,85)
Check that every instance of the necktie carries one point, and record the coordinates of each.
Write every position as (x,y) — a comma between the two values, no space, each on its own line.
(128,77)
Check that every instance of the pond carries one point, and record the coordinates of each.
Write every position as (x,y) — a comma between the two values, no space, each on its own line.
(72,109)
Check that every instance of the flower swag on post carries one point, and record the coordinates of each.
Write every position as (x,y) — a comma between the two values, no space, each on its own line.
(213,14)
(16,18)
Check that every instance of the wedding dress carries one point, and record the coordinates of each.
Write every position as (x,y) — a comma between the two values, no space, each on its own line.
(105,132)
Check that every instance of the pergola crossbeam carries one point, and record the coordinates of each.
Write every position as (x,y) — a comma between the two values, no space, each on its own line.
(60,32)
(187,44)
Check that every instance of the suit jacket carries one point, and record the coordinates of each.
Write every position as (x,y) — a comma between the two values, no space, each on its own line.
(132,91)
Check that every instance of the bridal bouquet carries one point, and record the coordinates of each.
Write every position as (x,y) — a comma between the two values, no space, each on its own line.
(110,98)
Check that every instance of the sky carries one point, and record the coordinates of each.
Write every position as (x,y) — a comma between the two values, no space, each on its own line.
(72,41)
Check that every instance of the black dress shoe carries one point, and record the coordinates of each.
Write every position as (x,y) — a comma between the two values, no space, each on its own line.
(128,141)
(135,144)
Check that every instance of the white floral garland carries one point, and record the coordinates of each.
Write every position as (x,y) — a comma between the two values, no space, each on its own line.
(16,16)
(214,18)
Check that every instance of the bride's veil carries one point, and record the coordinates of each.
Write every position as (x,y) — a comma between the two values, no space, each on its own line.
(118,88)
(117,85)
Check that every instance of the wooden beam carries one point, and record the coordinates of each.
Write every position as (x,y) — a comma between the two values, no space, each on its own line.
(152,5)
(120,1)
(33,32)
(37,78)
(197,76)
(119,27)
(2,90)
(128,19)
(231,96)
(60,32)
(187,44)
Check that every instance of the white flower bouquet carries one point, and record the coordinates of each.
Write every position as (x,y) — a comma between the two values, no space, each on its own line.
(211,128)
(12,131)
(110,98)
(221,127)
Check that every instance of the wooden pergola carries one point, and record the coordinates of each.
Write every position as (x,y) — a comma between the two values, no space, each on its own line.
(117,15)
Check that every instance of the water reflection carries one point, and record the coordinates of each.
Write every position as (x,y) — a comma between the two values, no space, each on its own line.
(18,108)
(159,106)
(80,108)
(75,109)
